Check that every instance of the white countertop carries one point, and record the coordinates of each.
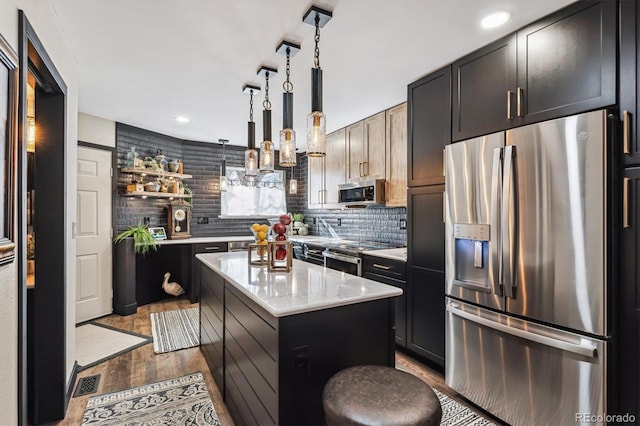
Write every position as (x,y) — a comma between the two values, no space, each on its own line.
(306,288)
(196,240)
(399,253)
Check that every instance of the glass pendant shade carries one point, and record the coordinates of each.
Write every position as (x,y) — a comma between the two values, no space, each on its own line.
(250,162)
(266,157)
(223,175)
(293,186)
(31,134)
(316,134)
(223,183)
(287,148)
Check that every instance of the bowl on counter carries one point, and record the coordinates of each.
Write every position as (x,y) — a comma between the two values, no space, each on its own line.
(152,187)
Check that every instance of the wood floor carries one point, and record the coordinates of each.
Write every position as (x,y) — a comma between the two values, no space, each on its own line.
(142,366)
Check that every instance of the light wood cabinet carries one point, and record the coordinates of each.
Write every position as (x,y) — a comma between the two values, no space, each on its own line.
(396,156)
(365,143)
(326,173)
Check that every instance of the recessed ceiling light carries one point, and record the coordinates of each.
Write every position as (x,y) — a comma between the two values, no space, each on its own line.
(495,19)
(182,119)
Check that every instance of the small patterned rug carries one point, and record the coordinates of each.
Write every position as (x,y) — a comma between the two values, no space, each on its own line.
(454,414)
(180,401)
(174,330)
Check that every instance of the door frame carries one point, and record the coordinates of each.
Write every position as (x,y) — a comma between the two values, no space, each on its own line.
(50,396)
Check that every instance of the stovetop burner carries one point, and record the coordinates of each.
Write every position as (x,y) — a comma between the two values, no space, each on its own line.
(355,247)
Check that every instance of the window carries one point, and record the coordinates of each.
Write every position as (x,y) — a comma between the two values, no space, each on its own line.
(262,196)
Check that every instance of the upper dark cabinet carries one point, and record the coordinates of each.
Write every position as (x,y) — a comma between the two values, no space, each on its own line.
(428,127)
(628,90)
(567,62)
(560,65)
(484,90)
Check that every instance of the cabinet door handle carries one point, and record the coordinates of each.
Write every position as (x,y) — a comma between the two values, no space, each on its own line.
(379,266)
(509,98)
(626,129)
(625,203)
(212,248)
(360,169)
(519,102)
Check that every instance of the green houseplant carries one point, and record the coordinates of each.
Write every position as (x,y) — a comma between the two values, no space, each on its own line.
(142,238)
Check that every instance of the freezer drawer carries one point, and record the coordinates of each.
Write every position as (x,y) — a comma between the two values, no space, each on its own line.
(521,372)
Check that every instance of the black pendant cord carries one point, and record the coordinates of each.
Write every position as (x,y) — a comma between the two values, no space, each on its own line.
(251,131)
(266,114)
(287,96)
(316,54)
(316,74)
(223,163)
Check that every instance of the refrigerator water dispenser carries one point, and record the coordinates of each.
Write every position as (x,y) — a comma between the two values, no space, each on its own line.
(471,254)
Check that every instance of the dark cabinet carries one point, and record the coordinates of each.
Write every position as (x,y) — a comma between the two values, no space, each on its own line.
(425,227)
(425,313)
(567,62)
(563,64)
(484,90)
(391,272)
(628,309)
(628,90)
(428,126)
(194,290)
(211,321)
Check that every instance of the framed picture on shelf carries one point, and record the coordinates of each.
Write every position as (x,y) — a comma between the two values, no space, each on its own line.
(8,146)
(158,233)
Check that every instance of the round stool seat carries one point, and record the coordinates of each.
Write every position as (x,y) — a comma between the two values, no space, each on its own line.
(376,395)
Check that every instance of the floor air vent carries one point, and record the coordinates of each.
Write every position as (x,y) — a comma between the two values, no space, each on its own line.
(87,385)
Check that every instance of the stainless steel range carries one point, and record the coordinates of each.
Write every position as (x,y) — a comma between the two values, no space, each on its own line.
(345,256)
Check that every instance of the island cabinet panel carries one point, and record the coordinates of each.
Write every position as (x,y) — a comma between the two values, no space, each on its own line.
(194,289)
(251,350)
(212,322)
(316,345)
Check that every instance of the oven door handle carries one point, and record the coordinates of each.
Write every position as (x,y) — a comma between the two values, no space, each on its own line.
(348,259)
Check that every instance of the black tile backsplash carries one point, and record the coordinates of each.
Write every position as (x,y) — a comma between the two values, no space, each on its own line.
(202,161)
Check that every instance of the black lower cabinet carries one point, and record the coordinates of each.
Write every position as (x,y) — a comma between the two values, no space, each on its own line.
(194,289)
(425,314)
(150,270)
(391,272)
(628,309)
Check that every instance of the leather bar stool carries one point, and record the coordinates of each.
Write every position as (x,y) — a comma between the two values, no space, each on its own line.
(377,395)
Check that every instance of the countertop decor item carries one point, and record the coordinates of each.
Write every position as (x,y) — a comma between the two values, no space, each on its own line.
(316,124)
(143,239)
(279,258)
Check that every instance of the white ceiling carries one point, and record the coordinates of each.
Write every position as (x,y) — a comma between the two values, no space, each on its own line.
(144,62)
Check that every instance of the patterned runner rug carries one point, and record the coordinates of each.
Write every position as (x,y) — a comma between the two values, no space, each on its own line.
(454,414)
(173,330)
(180,401)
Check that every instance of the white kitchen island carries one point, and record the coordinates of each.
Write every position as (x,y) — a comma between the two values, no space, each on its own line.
(273,339)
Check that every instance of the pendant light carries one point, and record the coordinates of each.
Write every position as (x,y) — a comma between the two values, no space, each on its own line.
(316,123)
(223,166)
(287,134)
(267,150)
(250,155)
(293,183)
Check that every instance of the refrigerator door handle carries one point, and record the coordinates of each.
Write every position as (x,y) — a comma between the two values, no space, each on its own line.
(495,260)
(585,349)
(509,218)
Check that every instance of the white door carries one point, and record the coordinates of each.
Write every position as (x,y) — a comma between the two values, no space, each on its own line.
(93,257)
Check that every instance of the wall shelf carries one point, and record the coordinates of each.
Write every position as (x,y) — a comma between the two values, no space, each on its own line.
(148,172)
(151,194)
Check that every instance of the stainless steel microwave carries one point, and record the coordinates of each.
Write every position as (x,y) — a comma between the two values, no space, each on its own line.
(362,193)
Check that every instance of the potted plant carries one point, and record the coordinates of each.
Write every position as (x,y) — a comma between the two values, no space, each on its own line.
(297,220)
(143,239)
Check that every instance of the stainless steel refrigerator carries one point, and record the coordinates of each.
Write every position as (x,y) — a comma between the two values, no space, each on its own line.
(526,270)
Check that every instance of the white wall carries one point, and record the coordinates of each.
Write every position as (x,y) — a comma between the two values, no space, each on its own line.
(46,25)
(96,130)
